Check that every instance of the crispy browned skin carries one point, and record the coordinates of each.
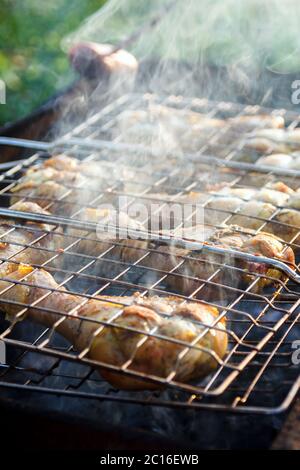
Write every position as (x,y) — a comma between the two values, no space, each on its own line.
(45,194)
(60,184)
(28,244)
(168,317)
(196,264)
(203,266)
(51,188)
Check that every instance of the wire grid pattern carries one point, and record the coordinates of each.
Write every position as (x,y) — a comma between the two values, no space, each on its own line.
(261,327)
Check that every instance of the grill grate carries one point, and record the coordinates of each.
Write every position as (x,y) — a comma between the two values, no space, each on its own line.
(257,373)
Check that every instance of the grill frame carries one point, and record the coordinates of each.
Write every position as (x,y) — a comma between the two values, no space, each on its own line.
(67,141)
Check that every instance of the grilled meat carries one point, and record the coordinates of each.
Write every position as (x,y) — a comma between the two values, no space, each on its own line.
(274,140)
(63,184)
(252,208)
(170,318)
(46,185)
(258,121)
(281,160)
(190,267)
(171,128)
(200,266)
(28,244)
(44,194)
(184,129)
(108,221)
(183,119)
(246,207)
(248,213)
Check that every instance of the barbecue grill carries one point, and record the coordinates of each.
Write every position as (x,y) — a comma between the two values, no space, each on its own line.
(257,376)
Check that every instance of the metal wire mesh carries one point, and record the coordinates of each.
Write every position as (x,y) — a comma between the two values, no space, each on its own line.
(257,373)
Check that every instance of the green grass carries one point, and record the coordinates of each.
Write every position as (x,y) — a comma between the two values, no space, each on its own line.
(32,63)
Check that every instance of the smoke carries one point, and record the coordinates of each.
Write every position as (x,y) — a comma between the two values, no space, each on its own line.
(189,42)
(243,36)
(181,38)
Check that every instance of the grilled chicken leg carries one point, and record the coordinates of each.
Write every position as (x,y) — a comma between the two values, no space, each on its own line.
(165,258)
(31,244)
(202,266)
(179,325)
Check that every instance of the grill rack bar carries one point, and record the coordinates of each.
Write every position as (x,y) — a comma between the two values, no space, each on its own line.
(97,144)
(138,234)
(160,271)
(110,192)
(161,403)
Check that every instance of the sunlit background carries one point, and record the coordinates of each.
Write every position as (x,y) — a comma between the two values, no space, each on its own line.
(35,35)
(32,63)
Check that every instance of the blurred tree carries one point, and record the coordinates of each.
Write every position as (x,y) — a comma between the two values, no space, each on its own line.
(32,63)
